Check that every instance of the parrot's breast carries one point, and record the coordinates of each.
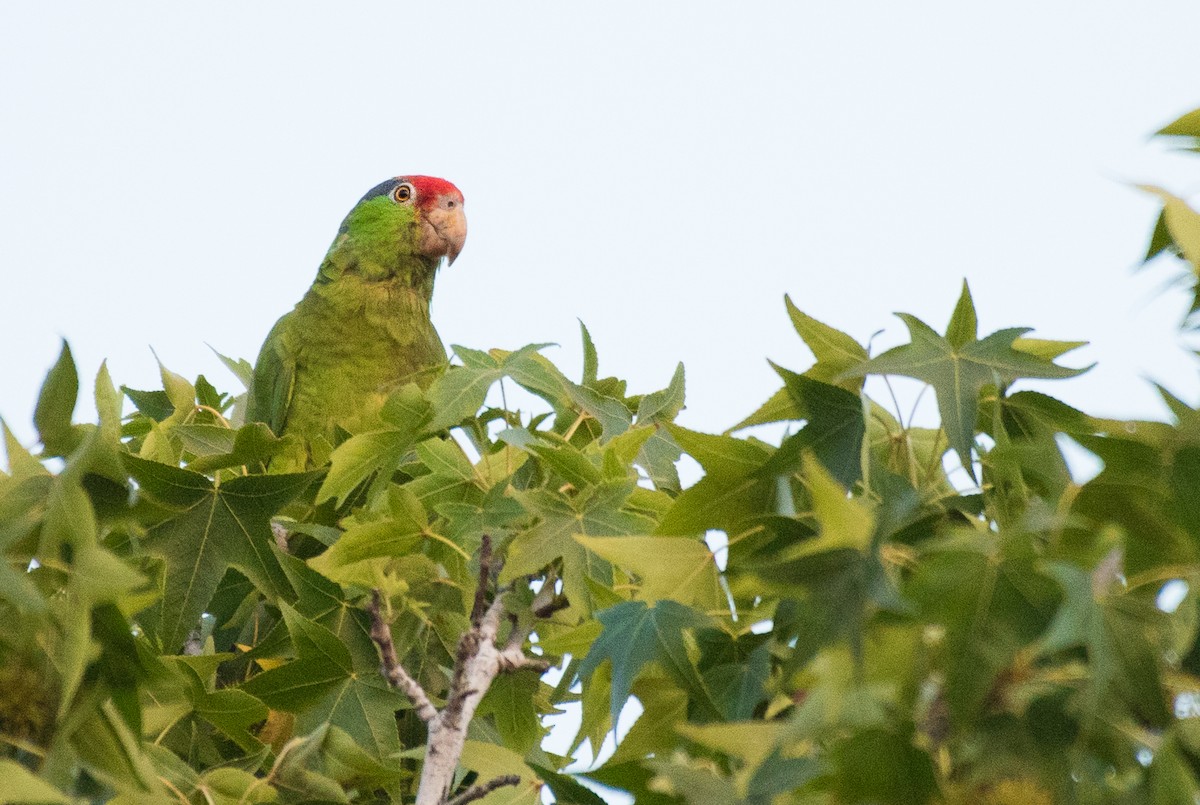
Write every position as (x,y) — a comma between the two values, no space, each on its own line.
(354,343)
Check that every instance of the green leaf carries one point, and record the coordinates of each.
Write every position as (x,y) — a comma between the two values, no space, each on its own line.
(511,703)
(108,404)
(324,686)
(613,416)
(538,375)
(733,491)
(251,445)
(18,784)
(601,511)
(591,364)
(963,327)
(990,609)
(1183,224)
(959,373)
(154,404)
(833,433)
(697,783)
(230,710)
(664,711)
(228,786)
(461,391)
(565,789)
(883,766)
(56,404)
(446,459)
(362,457)
(347,763)
(490,761)
(1160,240)
(677,568)
(391,537)
(212,528)
(110,751)
(205,440)
(1113,628)
(566,460)
(1186,126)
(1046,348)
(845,522)
(241,368)
(720,503)
(663,405)
(720,455)
(739,686)
(21,463)
(835,351)
(751,742)
(781,407)
(634,635)
(658,456)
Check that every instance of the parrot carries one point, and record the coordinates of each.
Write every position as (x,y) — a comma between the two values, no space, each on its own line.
(363,328)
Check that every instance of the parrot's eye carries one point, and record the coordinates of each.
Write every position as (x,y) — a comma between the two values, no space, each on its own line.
(403,192)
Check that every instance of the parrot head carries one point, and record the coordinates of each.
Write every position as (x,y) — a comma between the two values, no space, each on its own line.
(403,218)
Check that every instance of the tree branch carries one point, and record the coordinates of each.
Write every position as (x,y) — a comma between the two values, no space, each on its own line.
(477,662)
(480,791)
(391,668)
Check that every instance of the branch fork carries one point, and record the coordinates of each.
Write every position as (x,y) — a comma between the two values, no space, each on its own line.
(478,661)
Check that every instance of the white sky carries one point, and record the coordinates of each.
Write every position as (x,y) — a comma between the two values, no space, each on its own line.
(171,174)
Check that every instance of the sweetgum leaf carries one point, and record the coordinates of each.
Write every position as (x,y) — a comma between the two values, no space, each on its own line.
(56,404)
(677,568)
(835,351)
(602,511)
(1183,224)
(882,766)
(990,607)
(634,635)
(1187,125)
(833,433)
(959,372)
(211,528)
(663,405)
(22,785)
(323,686)
(1113,627)
(781,407)
(591,364)
(732,491)
(154,404)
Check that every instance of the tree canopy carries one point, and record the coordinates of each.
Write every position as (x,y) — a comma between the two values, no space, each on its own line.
(828,617)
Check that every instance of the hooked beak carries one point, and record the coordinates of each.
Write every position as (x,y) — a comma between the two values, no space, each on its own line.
(445,230)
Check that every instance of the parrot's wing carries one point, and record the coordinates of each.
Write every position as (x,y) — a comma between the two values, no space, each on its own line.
(274,377)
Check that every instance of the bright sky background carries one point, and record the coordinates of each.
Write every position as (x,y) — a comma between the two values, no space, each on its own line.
(665,172)
(171,174)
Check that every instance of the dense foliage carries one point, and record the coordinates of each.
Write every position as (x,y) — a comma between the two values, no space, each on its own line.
(869,629)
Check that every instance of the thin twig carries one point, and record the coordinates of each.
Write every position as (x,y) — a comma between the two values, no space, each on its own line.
(392,670)
(555,604)
(480,791)
(485,574)
(280,533)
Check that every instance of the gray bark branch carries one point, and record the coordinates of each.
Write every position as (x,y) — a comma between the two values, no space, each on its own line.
(477,662)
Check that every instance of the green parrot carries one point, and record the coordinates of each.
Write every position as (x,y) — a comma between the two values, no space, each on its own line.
(363,329)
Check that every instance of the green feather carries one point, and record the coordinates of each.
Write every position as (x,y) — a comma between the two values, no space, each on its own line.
(362,330)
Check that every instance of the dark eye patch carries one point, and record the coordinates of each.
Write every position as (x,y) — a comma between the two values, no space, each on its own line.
(384,188)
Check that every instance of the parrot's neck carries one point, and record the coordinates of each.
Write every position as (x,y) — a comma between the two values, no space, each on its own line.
(394,273)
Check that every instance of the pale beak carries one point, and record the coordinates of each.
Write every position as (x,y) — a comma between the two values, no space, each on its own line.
(447,230)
